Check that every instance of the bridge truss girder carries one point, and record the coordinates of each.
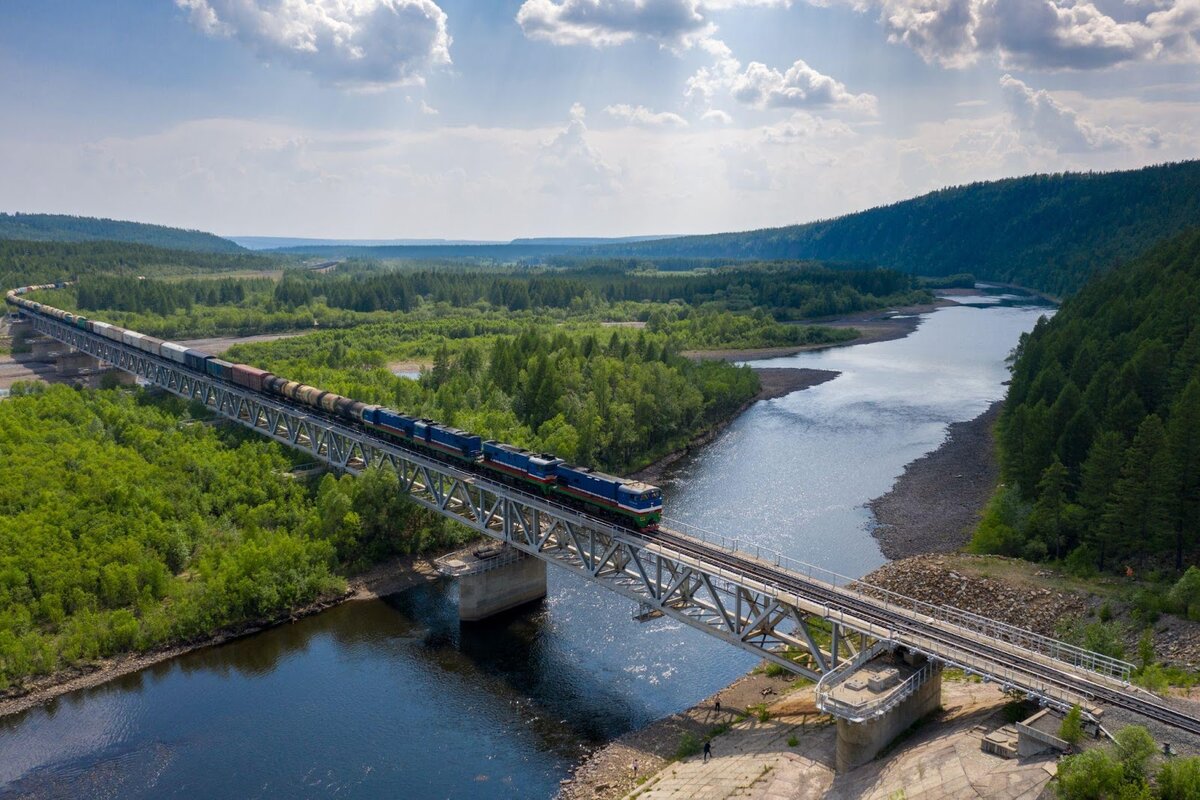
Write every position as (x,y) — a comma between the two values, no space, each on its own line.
(802,636)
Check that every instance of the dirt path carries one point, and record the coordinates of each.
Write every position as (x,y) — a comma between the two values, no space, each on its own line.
(936,503)
(220,344)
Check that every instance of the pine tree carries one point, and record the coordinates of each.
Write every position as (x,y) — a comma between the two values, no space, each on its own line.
(1051,503)
(1099,475)
(1137,518)
(1183,441)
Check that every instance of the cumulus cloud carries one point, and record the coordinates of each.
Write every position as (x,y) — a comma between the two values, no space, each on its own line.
(762,87)
(1049,122)
(1043,34)
(570,164)
(363,44)
(717,116)
(676,24)
(644,117)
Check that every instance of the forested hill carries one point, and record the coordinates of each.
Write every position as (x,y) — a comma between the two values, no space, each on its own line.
(63,228)
(1049,232)
(1100,437)
(23,262)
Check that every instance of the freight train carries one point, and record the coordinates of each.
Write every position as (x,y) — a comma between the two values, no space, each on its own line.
(630,503)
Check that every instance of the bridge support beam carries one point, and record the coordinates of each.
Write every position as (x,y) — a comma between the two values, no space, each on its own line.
(493,579)
(860,742)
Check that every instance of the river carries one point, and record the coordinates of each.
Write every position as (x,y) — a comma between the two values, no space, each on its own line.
(394,698)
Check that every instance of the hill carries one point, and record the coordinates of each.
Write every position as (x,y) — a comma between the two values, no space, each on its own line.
(1049,232)
(63,228)
(1100,436)
(23,262)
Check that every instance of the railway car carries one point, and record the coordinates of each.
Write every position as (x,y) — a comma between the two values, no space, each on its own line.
(458,443)
(250,377)
(175,352)
(196,359)
(539,469)
(634,500)
(219,368)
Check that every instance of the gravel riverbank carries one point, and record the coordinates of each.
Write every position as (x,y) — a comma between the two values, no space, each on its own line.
(936,502)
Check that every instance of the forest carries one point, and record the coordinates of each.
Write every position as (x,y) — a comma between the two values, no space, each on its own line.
(1100,436)
(607,397)
(369,293)
(23,263)
(126,524)
(1046,232)
(63,228)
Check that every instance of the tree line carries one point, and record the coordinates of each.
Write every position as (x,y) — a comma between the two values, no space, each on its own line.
(611,398)
(125,524)
(1100,436)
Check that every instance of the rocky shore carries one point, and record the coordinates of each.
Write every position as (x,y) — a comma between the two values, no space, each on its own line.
(937,501)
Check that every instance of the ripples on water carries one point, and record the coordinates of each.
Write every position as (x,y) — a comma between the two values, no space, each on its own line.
(396,699)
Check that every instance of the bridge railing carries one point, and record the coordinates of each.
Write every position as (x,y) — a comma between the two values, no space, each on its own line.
(990,629)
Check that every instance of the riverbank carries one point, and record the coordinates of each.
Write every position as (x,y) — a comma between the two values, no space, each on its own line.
(937,501)
(391,577)
(773,382)
(879,325)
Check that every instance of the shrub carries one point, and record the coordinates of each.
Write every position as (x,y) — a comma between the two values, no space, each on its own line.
(1071,730)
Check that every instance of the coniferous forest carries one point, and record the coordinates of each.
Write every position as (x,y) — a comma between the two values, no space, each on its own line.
(1100,436)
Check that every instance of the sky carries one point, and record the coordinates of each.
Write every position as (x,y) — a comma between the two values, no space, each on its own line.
(496,119)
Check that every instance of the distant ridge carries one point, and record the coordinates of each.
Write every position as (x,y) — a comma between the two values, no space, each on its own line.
(517,249)
(282,242)
(1049,232)
(64,228)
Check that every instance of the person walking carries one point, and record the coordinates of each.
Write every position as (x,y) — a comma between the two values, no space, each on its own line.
(717,705)
(707,751)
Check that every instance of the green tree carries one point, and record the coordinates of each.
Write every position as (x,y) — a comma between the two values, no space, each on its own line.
(1137,517)
(1091,775)
(1183,437)
(1135,748)
(1071,729)
(1179,779)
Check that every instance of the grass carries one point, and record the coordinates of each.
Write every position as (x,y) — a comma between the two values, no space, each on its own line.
(793,741)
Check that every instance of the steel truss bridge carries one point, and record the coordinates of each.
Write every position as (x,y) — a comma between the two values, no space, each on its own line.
(809,620)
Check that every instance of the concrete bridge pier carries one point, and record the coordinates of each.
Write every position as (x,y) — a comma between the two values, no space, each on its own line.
(76,363)
(876,701)
(492,579)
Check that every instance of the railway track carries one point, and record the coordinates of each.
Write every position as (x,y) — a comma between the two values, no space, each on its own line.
(860,606)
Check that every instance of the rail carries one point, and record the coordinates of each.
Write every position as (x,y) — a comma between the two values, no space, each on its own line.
(1060,651)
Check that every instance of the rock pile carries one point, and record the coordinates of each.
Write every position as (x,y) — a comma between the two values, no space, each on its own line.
(932,579)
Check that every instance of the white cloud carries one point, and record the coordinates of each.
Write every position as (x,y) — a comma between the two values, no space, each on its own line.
(640,115)
(800,87)
(570,164)
(1053,124)
(717,116)
(763,87)
(676,24)
(358,44)
(1042,34)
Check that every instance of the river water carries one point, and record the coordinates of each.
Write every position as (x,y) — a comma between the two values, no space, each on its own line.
(394,698)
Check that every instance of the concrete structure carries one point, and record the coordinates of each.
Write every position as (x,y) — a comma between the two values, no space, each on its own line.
(43,349)
(877,699)
(493,579)
(76,363)
(1039,734)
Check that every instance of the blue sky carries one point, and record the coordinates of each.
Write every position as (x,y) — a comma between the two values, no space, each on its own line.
(505,118)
